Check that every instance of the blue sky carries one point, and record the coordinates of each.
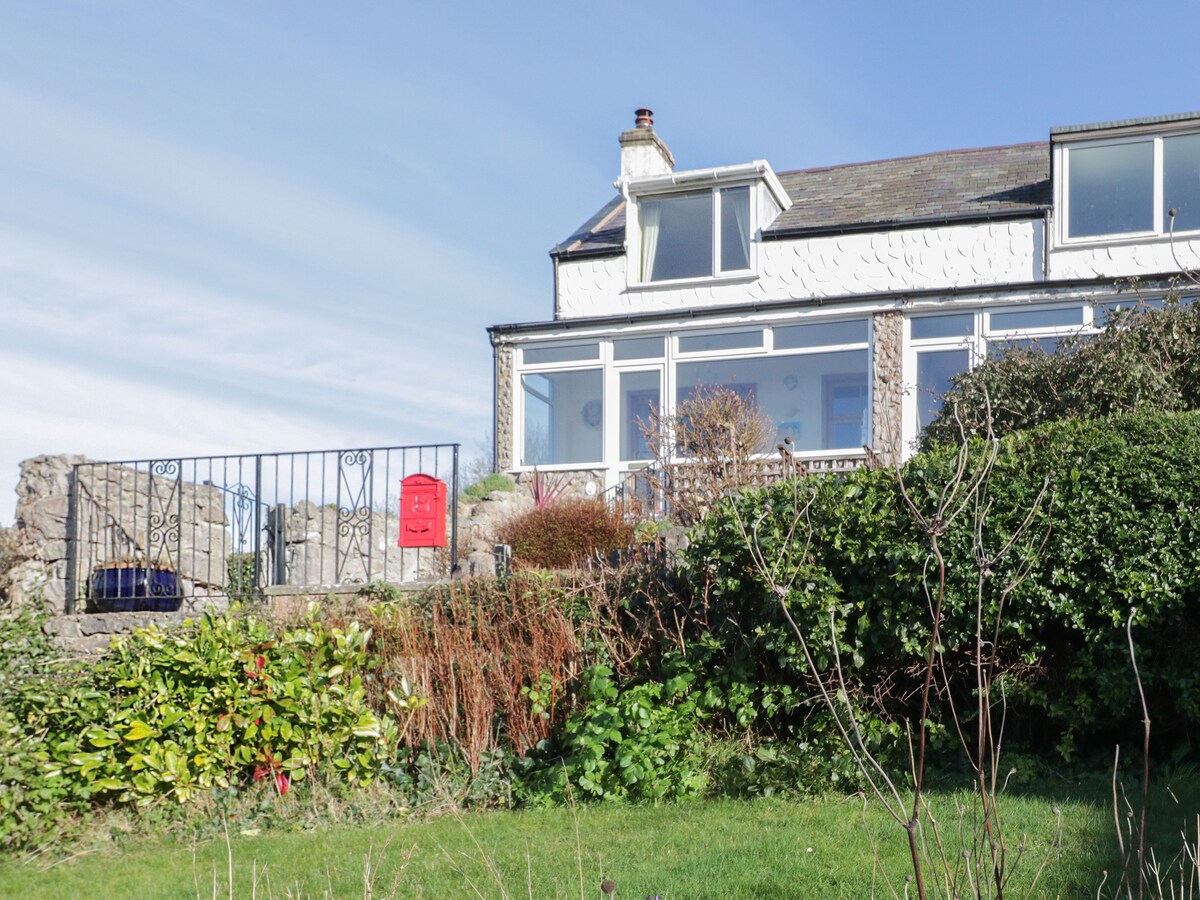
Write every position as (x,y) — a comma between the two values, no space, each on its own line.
(239,227)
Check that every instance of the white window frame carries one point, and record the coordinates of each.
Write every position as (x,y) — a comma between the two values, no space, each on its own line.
(602,363)
(978,342)
(1161,227)
(634,252)
(666,367)
(768,351)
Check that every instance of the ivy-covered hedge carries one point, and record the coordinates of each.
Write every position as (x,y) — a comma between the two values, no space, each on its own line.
(1123,525)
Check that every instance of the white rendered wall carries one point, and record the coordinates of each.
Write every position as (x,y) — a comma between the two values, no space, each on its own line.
(1122,259)
(871,262)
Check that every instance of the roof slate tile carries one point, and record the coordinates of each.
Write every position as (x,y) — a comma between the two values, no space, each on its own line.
(956,184)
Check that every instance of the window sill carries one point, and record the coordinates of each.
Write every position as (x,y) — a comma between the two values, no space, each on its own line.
(558,467)
(684,283)
(1124,240)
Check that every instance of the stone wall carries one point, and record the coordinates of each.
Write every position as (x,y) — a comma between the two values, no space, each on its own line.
(478,524)
(322,549)
(503,399)
(86,634)
(887,391)
(121,516)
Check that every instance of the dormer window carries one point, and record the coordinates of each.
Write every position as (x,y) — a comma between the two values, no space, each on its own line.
(697,234)
(1127,187)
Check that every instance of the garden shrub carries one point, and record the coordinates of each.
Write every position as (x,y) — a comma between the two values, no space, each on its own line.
(713,444)
(486,485)
(1123,519)
(638,741)
(565,533)
(43,699)
(226,700)
(470,647)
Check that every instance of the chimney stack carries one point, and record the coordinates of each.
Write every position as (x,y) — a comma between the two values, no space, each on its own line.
(643,153)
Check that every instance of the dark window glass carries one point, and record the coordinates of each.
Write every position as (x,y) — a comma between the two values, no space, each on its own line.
(640,399)
(677,236)
(935,369)
(564,412)
(638,348)
(561,354)
(1036,318)
(1111,189)
(735,229)
(821,334)
(957,325)
(728,340)
(1181,181)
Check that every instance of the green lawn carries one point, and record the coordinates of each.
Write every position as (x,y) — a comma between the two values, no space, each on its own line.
(723,849)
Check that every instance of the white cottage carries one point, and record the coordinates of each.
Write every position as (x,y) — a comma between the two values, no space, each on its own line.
(841,299)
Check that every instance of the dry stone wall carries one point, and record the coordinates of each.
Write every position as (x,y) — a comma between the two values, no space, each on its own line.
(122,516)
(323,549)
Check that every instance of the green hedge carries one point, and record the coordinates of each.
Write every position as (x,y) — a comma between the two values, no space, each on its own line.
(1123,523)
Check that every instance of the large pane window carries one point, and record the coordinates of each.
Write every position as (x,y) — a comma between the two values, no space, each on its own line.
(1111,189)
(640,399)
(564,412)
(1181,181)
(676,236)
(695,234)
(735,229)
(819,400)
(935,371)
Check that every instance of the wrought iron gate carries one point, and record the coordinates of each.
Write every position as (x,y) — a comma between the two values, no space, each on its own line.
(228,526)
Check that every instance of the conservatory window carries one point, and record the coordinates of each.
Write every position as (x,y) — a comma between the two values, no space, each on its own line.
(564,412)
(819,400)
(640,400)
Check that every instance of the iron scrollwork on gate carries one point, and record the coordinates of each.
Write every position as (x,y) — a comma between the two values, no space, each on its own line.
(354,511)
(164,494)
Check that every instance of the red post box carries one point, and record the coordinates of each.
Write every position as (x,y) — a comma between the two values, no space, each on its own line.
(422,512)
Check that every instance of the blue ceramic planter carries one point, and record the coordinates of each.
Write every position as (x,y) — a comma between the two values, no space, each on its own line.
(135,589)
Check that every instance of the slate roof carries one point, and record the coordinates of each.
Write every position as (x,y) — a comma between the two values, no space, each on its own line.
(951,186)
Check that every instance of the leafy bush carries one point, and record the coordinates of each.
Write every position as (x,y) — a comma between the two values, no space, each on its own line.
(565,534)
(213,705)
(1147,360)
(1123,520)
(242,570)
(441,777)
(493,482)
(41,697)
(9,557)
(639,742)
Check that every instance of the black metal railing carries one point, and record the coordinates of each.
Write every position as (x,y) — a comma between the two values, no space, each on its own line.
(229,526)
